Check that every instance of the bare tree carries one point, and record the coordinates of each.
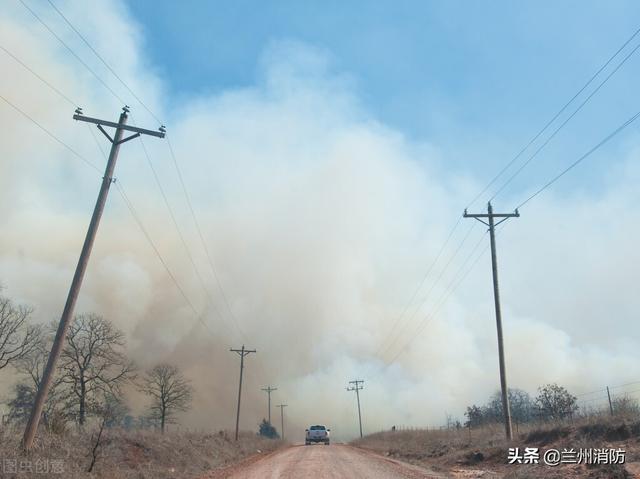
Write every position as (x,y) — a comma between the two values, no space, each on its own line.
(170,392)
(31,365)
(93,361)
(17,336)
(111,409)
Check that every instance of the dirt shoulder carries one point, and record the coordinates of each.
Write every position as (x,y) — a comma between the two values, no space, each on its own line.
(483,453)
(128,454)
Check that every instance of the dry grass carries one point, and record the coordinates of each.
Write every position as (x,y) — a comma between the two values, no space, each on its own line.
(129,454)
(457,452)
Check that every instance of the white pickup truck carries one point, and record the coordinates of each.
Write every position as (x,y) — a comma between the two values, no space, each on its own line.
(317,434)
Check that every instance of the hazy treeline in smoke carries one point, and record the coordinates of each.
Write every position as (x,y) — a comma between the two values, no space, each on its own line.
(91,375)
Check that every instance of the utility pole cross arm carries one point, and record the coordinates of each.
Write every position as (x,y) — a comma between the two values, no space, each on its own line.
(160,133)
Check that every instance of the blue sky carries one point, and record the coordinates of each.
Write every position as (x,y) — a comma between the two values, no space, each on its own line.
(476,79)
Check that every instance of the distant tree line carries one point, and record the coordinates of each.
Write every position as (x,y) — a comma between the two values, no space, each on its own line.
(92,371)
(553,402)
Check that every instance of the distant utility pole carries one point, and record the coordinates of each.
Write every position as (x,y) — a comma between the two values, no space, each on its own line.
(490,215)
(76,283)
(282,406)
(269,390)
(610,405)
(242,352)
(357,386)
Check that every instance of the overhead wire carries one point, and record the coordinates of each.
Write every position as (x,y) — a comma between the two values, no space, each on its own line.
(95,168)
(173,157)
(554,117)
(555,132)
(458,278)
(451,288)
(531,142)
(104,62)
(183,185)
(72,52)
(582,158)
(202,240)
(179,231)
(143,104)
(50,134)
(421,284)
(433,284)
(138,221)
(62,95)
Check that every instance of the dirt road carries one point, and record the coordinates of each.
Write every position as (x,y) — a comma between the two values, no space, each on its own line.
(322,462)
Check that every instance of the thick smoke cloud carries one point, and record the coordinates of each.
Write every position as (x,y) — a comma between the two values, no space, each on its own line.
(320,220)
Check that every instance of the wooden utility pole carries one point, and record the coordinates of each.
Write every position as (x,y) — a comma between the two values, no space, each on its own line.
(76,283)
(610,404)
(357,386)
(282,406)
(490,215)
(242,352)
(269,390)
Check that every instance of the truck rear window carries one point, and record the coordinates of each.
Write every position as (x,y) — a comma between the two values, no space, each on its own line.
(317,428)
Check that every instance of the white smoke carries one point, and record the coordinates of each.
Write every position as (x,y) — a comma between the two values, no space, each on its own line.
(321,221)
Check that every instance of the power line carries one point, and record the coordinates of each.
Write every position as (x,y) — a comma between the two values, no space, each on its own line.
(206,249)
(433,285)
(522,167)
(85,160)
(29,69)
(421,284)
(583,157)
(178,229)
(191,209)
(604,389)
(455,283)
(146,234)
(553,119)
(120,189)
(458,279)
(210,261)
(533,140)
(75,55)
(127,203)
(104,62)
(201,236)
(48,132)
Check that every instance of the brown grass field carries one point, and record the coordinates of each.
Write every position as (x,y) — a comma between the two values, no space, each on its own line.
(126,454)
(482,452)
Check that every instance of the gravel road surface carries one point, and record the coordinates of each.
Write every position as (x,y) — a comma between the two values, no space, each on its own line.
(322,462)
